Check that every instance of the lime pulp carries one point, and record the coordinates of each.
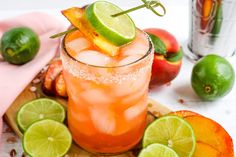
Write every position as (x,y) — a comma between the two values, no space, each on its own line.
(47,138)
(157,150)
(118,30)
(173,132)
(39,109)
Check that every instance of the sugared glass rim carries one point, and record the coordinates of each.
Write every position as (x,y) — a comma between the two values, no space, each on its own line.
(111,67)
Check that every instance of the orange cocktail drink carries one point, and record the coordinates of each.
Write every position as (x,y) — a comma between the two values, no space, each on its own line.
(107,105)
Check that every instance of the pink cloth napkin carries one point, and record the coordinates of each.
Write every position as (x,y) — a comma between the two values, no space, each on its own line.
(13,79)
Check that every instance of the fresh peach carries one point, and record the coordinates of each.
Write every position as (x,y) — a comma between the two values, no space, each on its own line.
(210,132)
(163,71)
(172,45)
(168,56)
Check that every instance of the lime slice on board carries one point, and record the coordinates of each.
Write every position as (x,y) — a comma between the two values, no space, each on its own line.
(157,150)
(118,30)
(173,132)
(47,138)
(39,109)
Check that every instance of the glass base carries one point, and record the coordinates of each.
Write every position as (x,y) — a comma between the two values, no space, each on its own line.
(133,150)
(195,57)
(136,145)
(189,54)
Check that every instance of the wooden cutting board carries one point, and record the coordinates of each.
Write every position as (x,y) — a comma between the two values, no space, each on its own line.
(33,91)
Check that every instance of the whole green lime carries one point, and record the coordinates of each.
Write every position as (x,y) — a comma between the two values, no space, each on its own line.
(19,45)
(212,77)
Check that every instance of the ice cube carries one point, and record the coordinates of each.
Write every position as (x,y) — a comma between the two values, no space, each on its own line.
(93,58)
(97,97)
(138,46)
(104,120)
(129,59)
(135,84)
(135,110)
(79,118)
(135,97)
(78,44)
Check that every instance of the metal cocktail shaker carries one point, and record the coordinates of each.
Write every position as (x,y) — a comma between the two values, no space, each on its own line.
(213,28)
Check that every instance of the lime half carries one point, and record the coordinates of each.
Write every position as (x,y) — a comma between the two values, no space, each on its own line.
(173,132)
(118,30)
(47,138)
(157,150)
(39,109)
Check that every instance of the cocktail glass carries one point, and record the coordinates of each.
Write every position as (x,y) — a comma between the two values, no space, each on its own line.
(107,106)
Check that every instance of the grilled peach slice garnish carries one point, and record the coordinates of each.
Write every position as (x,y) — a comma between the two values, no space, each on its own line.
(205,150)
(212,133)
(211,136)
(183,113)
(60,86)
(76,16)
(53,70)
(53,83)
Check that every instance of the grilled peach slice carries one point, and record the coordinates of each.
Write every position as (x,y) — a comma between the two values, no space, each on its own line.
(183,113)
(205,150)
(76,16)
(210,132)
(53,70)
(60,86)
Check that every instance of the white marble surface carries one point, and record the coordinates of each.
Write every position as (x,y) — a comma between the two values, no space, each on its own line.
(10,141)
(177,22)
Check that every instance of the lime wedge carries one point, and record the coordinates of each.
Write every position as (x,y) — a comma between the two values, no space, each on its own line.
(37,110)
(47,138)
(118,30)
(173,132)
(157,150)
